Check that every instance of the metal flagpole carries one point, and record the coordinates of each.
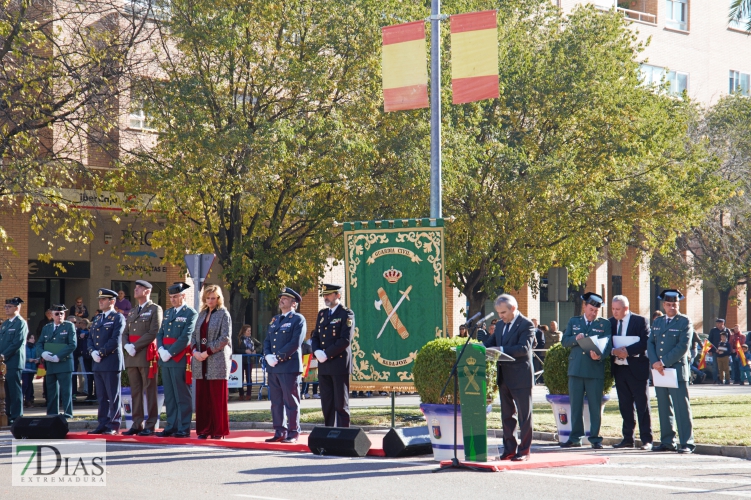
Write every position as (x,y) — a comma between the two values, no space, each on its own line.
(436,209)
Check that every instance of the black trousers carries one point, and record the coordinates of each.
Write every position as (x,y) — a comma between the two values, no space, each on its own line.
(633,394)
(516,408)
(334,399)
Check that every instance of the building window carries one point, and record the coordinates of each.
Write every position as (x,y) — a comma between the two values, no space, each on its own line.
(616,285)
(150,9)
(651,75)
(740,24)
(138,119)
(677,14)
(739,82)
(678,82)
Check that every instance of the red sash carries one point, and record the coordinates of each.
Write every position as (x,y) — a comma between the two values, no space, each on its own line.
(151,355)
(177,357)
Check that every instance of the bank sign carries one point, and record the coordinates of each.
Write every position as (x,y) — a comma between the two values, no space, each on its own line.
(59,463)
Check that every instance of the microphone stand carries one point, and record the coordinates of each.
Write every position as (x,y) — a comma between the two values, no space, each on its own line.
(455,463)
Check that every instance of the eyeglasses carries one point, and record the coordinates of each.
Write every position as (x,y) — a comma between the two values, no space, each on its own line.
(58,313)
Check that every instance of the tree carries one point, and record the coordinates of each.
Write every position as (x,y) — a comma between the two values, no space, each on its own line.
(61,72)
(740,11)
(575,158)
(717,247)
(264,112)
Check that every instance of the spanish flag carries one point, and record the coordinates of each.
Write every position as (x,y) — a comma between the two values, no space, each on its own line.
(704,351)
(405,70)
(739,350)
(474,56)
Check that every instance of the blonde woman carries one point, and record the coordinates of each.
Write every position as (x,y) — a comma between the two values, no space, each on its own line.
(212,350)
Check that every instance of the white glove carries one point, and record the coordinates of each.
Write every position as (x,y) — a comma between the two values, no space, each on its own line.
(320,356)
(271,360)
(96,357)
(54,358)
(46,355)
(131,349)
(164,354)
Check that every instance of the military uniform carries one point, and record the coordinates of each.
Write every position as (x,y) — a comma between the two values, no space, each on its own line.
(105,342)
(585,375)
(669,343)
(142,325)
(58,372)
(283,343)
(332,335)
(174,337)
(13,333)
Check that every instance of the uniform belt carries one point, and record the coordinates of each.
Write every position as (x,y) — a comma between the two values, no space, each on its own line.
(179,355)
(151,355)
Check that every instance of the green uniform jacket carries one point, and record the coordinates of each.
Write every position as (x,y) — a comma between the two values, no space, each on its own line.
(178,326)
(65,334)
(13,334)
(671,344)
(580,363)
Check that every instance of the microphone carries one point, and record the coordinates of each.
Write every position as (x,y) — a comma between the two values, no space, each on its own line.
(472,319)
(487,317)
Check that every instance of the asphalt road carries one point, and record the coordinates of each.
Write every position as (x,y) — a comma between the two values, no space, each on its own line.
(187,472)
(538,396)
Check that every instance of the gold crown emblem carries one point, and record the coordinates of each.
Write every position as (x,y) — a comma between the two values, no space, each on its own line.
(392,275)
(471,361)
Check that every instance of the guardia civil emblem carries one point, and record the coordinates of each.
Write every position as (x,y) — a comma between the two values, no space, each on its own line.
(562,416)
(436,428)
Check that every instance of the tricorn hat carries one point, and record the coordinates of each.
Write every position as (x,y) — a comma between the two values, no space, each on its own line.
(671,295)
(592,299)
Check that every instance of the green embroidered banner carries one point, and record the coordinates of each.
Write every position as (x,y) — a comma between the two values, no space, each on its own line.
(472,392)
(396,287)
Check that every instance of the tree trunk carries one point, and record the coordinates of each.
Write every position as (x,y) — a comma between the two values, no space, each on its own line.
(722,310)
(237,306)
(578,302)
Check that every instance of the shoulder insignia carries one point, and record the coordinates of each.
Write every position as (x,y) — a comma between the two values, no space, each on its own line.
(349,322)
(272,321)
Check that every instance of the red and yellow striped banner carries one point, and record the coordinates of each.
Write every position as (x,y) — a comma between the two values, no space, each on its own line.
(405,70)
(704,351)
(741,354)
(474,56)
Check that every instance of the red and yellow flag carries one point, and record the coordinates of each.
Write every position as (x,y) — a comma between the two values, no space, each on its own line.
(474,56)
(704,351)
(741,354)
(405,70)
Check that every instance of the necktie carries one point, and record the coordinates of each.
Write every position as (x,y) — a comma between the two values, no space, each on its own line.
(588,322)
(620,327)
(329,314)
(667,322)
(506,328)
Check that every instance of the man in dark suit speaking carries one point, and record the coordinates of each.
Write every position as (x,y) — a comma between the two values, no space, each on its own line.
(631,372)
(514,335)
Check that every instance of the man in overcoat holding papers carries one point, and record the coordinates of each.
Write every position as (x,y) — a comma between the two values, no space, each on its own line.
(586,369)
(630,368)
(668,348)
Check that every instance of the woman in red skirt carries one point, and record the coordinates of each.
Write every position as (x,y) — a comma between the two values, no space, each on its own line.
(212,351)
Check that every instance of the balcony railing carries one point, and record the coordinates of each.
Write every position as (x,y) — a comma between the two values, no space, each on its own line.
(638,16)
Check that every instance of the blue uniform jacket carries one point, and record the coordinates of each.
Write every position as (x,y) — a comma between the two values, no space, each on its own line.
(105,337)
(333,336)
(284,340)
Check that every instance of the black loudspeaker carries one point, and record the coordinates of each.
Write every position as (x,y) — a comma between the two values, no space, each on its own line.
(50,427)
(407,442)
(340,441)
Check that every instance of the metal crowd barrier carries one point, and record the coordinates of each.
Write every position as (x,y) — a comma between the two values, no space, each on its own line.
(256,363)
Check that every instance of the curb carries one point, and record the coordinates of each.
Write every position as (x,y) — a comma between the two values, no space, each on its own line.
(743,452)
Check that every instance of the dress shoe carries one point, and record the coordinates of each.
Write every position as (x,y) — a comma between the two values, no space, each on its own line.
(508,456)
(202,436)
(146,432)
(90,399)
(164,434)
(289,440)
(624,444)
(646,446)
(520,458)
(571,444)
(217,437)
(685,449)
(596,446)
(131,432)
(110,432)
(97,431)
(275,439)
(662,447)
(181,435)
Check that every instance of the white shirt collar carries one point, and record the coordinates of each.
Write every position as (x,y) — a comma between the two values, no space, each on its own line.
(332,309)
(178,309)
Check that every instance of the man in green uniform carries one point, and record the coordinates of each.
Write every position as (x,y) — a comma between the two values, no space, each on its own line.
(668,347)
(173,342)
(13,334)
(56,345)
(586,370)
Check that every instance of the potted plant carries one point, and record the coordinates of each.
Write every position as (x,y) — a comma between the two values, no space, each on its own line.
(556,380)
(127,402)
(432,368)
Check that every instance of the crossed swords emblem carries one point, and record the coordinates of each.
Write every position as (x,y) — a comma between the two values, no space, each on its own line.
(471,378)
(391,311)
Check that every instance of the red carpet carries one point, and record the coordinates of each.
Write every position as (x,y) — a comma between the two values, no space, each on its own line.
(539,461)
(250,439)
